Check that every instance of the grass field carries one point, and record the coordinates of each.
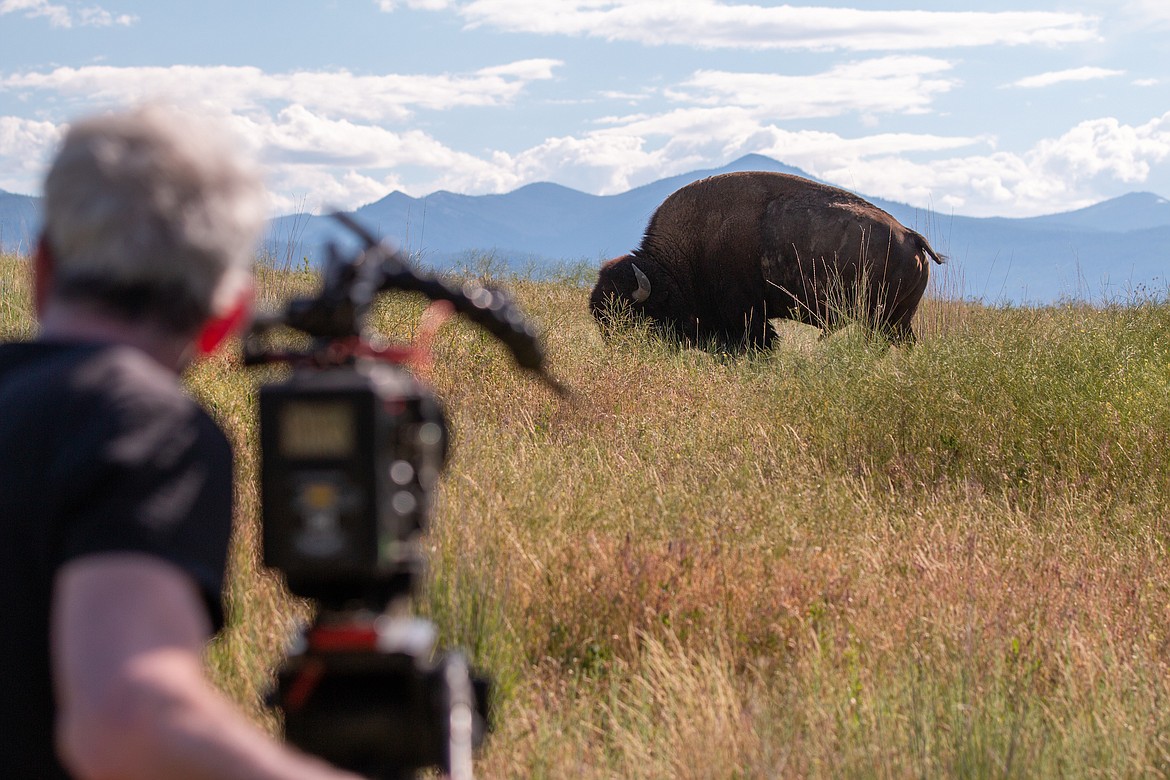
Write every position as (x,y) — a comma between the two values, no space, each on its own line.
(830,560)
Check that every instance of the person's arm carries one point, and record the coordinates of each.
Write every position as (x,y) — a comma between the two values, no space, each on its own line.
(133,700)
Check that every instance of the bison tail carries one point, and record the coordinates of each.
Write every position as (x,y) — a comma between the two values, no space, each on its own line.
(926,247)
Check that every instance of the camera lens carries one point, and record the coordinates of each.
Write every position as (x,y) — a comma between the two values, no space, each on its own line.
(401,472)
(404,502)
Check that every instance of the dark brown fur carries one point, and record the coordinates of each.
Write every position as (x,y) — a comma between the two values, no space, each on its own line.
(725,254)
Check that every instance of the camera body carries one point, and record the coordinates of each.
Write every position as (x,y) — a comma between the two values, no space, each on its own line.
(350,458)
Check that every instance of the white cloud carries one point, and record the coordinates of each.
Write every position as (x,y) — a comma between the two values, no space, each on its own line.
(1154,12)
(715,24)
(634,150)
(314,130)
(25,148)
(897,84)
(1105,147)
(316,162)
(330,139)
(1062,76)
(423,5)
(924,170)
(1056,174)
(390,98)
(61,15)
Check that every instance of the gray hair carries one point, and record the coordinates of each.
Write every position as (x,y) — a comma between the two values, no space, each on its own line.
(152,214)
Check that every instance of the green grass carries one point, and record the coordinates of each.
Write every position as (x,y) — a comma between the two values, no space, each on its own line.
(830,560)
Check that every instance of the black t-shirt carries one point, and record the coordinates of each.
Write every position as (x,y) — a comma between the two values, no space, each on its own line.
(101,450)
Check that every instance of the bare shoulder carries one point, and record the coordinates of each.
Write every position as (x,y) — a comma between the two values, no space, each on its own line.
(127,599)
(111,612)
(126,637)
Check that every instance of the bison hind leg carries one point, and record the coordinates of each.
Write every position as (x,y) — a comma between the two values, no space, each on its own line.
(900,333)
(897,327)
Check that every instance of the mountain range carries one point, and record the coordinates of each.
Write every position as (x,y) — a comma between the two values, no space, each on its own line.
(1114,250)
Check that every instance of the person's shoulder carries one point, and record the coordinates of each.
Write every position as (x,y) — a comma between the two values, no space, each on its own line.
(141,392)
(127,390)
(96,375)
(126,372)
(83,363)
(36,373)
(21,358)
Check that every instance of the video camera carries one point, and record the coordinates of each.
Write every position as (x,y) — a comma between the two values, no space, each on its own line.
(352,445)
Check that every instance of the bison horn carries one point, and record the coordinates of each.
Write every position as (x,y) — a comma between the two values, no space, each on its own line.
(643,292)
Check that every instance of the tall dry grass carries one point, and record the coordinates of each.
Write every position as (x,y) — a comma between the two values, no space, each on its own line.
(833,559)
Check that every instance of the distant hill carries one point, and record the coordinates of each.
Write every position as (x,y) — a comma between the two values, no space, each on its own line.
(542,222)
(1103,251)
(20,219)
(1135,211)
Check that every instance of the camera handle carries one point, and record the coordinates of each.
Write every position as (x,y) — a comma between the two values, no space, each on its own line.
(350,286)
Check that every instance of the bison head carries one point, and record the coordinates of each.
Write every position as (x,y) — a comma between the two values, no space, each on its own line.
(638,287)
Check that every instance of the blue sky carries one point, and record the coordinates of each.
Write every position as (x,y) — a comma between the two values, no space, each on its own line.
(1015,109)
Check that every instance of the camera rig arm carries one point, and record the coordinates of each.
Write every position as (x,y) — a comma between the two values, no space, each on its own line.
(351,284)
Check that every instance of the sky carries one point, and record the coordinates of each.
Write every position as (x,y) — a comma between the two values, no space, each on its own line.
(1015,109)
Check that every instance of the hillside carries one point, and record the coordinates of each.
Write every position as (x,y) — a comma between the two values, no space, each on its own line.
(19,221)
(1107,251)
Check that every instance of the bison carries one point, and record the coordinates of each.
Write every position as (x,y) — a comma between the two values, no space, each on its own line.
(723,255)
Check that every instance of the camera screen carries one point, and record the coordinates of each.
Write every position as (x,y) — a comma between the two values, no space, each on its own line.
(316,429)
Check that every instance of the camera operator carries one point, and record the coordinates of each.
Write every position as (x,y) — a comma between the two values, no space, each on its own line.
(115,487)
